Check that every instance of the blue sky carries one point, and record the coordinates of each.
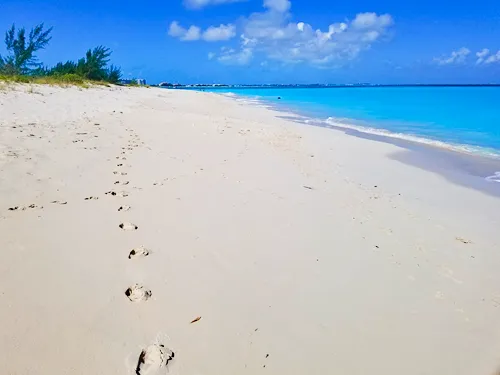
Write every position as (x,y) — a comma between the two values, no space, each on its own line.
(276,41)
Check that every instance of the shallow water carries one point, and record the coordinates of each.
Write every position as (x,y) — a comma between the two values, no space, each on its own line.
(460,118)
(451,131)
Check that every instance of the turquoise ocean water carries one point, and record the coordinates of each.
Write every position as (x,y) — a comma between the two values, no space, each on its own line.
(465,119)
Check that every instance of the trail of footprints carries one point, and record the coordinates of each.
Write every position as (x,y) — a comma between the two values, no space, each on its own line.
(156,356)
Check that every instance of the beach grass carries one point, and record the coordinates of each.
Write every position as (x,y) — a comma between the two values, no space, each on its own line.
(64,80)
(56,80)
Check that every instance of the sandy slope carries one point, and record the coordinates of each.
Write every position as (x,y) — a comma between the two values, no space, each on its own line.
(302,249)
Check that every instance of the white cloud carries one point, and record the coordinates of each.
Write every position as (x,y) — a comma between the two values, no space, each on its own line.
(272,34)
(456,57)
(176,30)
(278,5)
(369,21)
(481,55)
(212,34)
(223,32)
(193,33)
(493,58)
(230,56)
(460,56)
(199,4)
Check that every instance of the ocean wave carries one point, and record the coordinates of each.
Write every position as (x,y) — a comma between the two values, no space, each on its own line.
(494,178)
(464,148)
(255,101)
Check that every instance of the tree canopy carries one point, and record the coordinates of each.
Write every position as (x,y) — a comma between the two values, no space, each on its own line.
(21,58)
(22,61)
(94,66)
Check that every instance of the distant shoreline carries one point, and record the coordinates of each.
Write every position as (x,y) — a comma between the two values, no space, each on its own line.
(318,116)
(460,163)
(326,86)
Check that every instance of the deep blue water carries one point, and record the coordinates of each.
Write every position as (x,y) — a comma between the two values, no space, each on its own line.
(460,118)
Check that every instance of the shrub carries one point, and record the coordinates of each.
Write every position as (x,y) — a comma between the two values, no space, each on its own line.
(92,67)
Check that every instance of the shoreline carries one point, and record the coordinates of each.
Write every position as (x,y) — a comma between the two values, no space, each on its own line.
(362,126)
(466,168)
(132,218)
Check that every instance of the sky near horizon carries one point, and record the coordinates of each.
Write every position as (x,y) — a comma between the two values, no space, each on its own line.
(276,41)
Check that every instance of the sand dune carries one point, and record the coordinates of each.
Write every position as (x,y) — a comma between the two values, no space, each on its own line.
(153,231)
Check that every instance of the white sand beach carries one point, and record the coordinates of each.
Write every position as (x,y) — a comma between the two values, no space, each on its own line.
(302,250)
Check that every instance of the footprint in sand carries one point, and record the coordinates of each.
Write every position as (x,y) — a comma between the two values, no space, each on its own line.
(137,293)
(153,358)
(59,202)
(463,240)
(119,165)
(124,208)
(30,206)
(121,194)
(24,208)
(138,252)
(128,226)
(91,198)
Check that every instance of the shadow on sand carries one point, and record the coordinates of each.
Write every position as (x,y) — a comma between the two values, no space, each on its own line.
(461,169)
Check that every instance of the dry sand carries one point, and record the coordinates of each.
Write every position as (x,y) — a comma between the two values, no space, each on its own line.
(303,250)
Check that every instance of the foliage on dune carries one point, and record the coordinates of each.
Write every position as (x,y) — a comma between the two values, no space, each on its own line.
(21,63)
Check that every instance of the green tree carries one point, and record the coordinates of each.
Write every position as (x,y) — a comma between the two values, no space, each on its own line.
(93,65)
(68,67)
(114,74)
(21,58)
(22,61)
